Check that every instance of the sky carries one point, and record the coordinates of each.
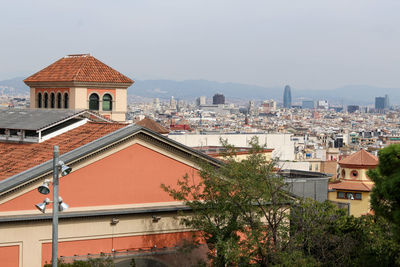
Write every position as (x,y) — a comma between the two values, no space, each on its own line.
(309,44)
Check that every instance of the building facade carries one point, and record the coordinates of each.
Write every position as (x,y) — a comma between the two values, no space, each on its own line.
(116,204)
(354,186)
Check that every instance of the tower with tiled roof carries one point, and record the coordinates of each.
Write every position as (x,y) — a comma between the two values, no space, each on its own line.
(80,82)
(354,186)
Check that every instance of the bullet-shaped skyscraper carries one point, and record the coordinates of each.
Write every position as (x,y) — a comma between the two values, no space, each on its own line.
(287,97)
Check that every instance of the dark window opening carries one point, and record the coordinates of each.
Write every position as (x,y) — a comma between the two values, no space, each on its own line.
(66,100)
(13,132)
(107,102)
(39,100)
(31,133)
(349,195)
(59,100)
(94,102)
(46,100)
(52,100)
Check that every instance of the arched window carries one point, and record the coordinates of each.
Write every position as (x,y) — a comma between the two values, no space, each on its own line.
(94,102)
(52,100)
(59,100)
(66,100)
(46,100)
(39,100)
(107,102)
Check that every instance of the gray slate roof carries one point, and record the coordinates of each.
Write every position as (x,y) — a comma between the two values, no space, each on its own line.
(33,119)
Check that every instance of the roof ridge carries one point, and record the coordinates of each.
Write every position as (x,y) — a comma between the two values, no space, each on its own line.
(108,122)
(80,67)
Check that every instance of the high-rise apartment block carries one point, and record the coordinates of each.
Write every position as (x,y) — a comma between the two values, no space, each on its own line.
(352,108)
(382,103)
(307,104)
(268,106)
(218,99)
(172,103)
(323,104)
(200,101)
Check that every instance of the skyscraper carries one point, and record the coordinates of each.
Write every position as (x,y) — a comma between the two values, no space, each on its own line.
(379,103)
(287,97)
(387,105)
(218,99)
(382,103)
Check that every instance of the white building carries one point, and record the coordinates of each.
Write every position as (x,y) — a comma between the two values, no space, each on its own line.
(281,143)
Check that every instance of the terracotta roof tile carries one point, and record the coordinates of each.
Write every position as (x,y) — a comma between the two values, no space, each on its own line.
(152,125)
(18,157)
(360,158)
(352,185)
(78,68)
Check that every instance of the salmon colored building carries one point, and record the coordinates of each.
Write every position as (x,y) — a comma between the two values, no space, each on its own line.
(116,204)
(80,82)
(354,186)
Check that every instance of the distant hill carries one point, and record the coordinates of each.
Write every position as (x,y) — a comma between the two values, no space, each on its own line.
(14,87)
(351,94)
(196,88)
(190,89)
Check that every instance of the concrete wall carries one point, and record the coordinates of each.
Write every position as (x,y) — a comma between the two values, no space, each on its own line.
(281,143)
(78,98)
(330,167)
(314,188)
(87,235)
(33,100)
(294,165)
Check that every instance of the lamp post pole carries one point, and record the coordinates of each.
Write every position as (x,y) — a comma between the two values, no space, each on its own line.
(55,207)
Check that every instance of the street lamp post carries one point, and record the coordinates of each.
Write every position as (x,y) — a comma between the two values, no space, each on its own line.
(54,244)
(58,204)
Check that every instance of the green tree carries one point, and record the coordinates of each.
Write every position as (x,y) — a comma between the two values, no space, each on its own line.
(240,208)
(90,262)
(385,197)
(317,231)
(322,232)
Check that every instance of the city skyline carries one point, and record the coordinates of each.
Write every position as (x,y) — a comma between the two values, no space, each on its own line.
(178,40)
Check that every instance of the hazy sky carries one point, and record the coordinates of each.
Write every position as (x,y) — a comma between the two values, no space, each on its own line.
(309,44)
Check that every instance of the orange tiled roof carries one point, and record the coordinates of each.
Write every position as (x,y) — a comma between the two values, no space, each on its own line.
(17,157)
(360,158)
(152,125)
(78,68)
(352,185)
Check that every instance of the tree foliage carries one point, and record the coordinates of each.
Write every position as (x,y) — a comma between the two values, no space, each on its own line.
(240,208)
(332,238)
(90,262)
(385,197)
(247,218)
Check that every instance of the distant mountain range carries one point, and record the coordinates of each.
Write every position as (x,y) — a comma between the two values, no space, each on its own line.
(347,95)
(14,87)
(190,89)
